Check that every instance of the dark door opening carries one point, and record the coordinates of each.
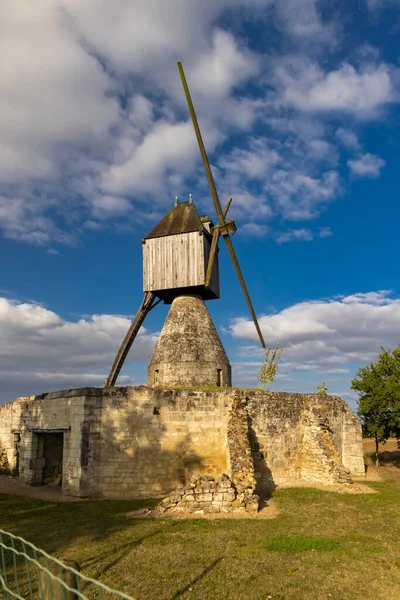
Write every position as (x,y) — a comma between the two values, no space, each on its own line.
(51,447)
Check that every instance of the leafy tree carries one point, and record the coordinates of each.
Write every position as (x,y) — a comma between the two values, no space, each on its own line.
(270,365)
(322,389)
(378,387)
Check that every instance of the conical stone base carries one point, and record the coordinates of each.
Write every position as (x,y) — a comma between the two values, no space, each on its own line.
(189,351)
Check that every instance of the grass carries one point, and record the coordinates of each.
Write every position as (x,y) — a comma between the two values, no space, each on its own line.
(322,545)
(301,543)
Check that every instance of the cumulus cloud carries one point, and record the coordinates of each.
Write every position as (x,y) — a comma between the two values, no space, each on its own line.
(345,330)
(302,235)
(362,92)
(367,165)
(300,196)
(325,338)
(40,351)
(254,229)
(94,122)
(348,138)
(302,20)
(75,138)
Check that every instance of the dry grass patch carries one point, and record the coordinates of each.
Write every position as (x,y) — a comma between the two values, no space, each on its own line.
(321,545)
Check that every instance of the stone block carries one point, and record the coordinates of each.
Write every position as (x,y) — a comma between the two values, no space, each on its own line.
(204,497)
(226,509)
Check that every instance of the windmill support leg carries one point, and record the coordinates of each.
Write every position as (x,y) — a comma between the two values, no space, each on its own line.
(149,302)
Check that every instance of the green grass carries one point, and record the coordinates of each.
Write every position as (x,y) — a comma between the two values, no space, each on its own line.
(301,543)
(322,545)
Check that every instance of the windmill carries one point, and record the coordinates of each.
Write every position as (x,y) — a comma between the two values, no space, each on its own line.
(180,258)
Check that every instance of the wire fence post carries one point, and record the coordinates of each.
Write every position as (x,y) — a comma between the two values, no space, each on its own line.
(27,572)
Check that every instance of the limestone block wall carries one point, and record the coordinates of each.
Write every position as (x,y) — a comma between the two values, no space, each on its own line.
(303,437)
(139,441)
(10,414)
(352,449)
(32,417)
(145,442)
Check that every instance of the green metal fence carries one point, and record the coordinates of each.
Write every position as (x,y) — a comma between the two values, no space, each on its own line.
(28,573)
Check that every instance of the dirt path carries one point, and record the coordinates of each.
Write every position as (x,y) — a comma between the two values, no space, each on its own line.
(50,493)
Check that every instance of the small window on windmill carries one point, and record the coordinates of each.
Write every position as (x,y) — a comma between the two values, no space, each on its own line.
(219,377)
(156,376)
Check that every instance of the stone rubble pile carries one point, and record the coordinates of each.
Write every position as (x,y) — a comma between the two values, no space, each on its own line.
(205,495)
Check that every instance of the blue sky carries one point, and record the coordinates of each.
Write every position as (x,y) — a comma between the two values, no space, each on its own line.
(298,102)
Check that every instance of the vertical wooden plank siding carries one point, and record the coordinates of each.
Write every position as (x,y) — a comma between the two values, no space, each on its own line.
(173,261)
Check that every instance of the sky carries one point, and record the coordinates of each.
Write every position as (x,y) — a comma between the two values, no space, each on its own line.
(298,103)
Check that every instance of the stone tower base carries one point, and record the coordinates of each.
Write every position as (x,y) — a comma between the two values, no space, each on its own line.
(189,351)
(141,442)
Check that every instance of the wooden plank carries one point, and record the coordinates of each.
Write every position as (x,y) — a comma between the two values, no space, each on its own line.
(173,262)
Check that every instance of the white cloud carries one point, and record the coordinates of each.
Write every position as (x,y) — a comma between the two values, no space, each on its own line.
(93,117)
(302,235)
(165,147)
(376,5)
(325,232)
(367,165)
(348,138)
(302,21)
(322,151)
(65,132)
(379,298)
(300,196)
(40,351)
(254,229)
(52,92)
(254,162)
(105,206)
(350,329)
(362,93)
(323,337)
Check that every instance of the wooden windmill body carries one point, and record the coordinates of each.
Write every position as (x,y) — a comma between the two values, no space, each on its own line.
(180,267)
(176,253)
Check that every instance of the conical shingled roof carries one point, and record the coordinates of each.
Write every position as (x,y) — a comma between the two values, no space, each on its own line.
(182,218)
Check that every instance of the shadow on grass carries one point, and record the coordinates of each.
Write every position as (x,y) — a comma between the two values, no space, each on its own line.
(116,553)
(187,587)
(387,457)
(44,523)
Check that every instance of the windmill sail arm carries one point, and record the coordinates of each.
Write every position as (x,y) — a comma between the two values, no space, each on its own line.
(146,306)
(213,249)
(232,253)
(203,152)
(224,227)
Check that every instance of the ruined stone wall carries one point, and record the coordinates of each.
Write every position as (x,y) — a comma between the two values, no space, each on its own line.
(146,442)
(9,422)
(139,441)
(32,416)
(303,437)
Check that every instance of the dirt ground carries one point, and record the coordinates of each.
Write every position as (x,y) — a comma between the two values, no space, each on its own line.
(51,493)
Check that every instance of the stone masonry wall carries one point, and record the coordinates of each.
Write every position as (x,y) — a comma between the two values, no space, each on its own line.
(139,441)
(148,441)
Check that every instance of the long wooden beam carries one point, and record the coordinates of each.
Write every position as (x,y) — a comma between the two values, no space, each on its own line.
(146,306)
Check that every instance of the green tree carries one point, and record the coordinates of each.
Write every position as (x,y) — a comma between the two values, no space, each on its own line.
(322,389)
(378,387)
(270,365)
